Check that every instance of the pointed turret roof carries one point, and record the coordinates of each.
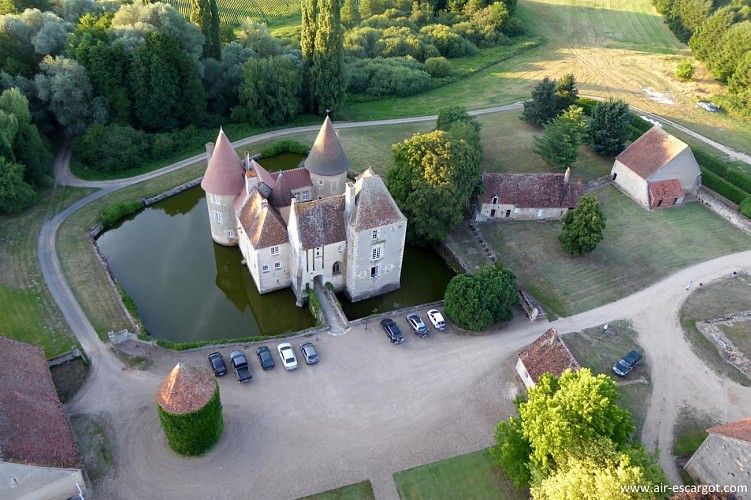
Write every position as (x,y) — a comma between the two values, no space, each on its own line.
(225,173)
(327,156)
(185,389)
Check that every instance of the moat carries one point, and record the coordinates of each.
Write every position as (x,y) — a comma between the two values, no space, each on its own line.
(188,288)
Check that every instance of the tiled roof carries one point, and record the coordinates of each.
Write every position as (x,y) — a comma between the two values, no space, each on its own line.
(321,222)
(297,178)
(33,427)
(261,222)
(281,195)
(185,389)
(374,206)
(665,190)
(531,190)
(548,354)
(263,174)
(650,152)
(738,430)
(327,157)
(225,173)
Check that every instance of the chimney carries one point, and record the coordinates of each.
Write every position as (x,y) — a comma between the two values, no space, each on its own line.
(567,175)
(349,200)
(246,162)
(209,151)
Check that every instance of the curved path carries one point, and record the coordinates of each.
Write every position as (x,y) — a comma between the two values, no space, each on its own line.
(141,452)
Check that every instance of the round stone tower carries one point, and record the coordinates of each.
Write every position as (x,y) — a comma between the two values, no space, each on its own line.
(223,181)
(327,163)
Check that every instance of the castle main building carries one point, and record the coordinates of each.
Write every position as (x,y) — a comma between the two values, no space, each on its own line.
(307,223)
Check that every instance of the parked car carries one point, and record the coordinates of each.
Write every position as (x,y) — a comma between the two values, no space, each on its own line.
(287,354)
(217,364)
(393,331)
(264,356)
(708,106)
(240,364)
(627,363)
(436,318)
(417,325)
(309,353)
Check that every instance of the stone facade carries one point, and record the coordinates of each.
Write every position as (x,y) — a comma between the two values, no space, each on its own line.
(309,223)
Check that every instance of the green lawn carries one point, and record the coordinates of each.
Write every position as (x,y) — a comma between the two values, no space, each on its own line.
(27,310)
(469,477)
(714,300)
(599,352)
(690,430)
(654,243)
(358,491)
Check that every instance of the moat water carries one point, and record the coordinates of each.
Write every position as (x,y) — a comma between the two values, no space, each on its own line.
(188,288)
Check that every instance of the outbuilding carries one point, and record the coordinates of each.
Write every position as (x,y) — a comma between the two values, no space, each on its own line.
(547,354)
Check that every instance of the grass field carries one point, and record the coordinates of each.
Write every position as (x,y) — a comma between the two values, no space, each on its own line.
(27,311)
(690,431)
(656,243)
(357,491)
(714,300)
(469,477)
(599,352)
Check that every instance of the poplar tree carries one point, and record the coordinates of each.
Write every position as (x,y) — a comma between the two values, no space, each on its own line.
(328,58)
(205,14)
(307,46)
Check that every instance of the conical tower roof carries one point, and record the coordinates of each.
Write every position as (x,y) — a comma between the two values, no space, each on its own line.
(185,390)
(327,156)
(225,173)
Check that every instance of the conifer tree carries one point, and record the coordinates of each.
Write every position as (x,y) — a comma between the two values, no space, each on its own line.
(328,58)
(205,14)
(307,46)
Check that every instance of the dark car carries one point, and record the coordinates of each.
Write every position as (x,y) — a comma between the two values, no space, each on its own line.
(627,363)
(392,330)
(309,353)
(240,364)
(264,356)
(217,364)
(417,325)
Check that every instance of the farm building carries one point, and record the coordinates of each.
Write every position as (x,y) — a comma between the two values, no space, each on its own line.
(527,196)
(657,170)
(547,354)
(38,457)
(725,455)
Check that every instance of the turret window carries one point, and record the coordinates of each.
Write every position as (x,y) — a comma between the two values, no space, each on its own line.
(214,198)
(218,217)
(230,233)
(265,268)
(275,250)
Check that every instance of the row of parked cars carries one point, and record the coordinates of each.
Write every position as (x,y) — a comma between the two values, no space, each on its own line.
(416,323)
(242,367)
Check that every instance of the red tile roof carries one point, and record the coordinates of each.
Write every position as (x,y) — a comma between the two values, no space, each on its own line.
(33,427)
(225,173)
(531,190)
(263,174)
(548,354)
(738,430)
(665,190)
(262,223)
(650,152)
(374,206)
(321,222)
(286,182)
(185,390)
(327,157)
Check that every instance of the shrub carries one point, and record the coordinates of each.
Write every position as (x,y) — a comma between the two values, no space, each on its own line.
(745,207)
(194,433)
(448,43)
(388,77)
(315,306)
(722,187)
(438,67)
(586,104)
(474,302)
(117,210)
(684,70)
(113,147)
(285,145)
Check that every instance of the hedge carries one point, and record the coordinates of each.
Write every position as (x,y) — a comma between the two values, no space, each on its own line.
(194,433)
(113,212)
(745,207)
(721,186)
(184,346)
(720,168)
(285,146)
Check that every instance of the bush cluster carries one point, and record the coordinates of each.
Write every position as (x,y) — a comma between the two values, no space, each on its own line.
(285,146)
(115,211)
(721,186)
(395,76)
(739,182)
(474,302)
(194,433)
(745,207)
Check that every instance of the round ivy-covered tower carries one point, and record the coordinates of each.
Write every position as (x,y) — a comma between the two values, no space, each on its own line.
(190,410)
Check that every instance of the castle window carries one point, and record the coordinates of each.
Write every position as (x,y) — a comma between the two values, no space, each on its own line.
(337,269)
(320,182)
(277,265)
(375,234)
(230,233)
(218,217)
(275,250)
(375,271)
(494,201)
(318,251)
(340,249)
(265,268)
(214,198)
(305,195)
(376,252)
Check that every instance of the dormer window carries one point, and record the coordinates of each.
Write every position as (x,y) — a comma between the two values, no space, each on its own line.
(495,200)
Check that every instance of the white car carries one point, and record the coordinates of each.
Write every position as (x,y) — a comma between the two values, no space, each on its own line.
(287,356)
(436,318)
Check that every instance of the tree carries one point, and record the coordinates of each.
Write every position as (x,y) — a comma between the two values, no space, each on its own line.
(583,226)
(432,179)
(684,70)
(544,103)
(566,92)
(328,59)
(449,115)
(474,302)
(564,135)
(350,14)
(307,46)
(512,450)
(15,194)
(21,141)
(268,95)
(205,14)
(608,129)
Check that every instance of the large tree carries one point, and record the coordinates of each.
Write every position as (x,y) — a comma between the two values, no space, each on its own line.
(564,135)
(15,194)
(544,103)
(20,140)
(328,58)
(432,178)
(269,93)
(583,226)
(608,129)
(307,46)
(566,91)
(474,302)
(205,14)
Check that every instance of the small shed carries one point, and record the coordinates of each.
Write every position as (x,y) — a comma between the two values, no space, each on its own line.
(547,354)
(190,410)
(725,455)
